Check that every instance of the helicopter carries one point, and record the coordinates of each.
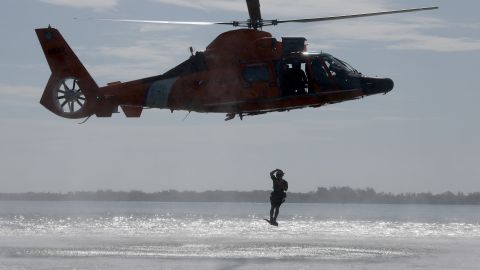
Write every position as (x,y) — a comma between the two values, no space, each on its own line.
(242,72)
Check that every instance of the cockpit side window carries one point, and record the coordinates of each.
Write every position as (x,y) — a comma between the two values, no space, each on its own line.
(333,65)
(320,73)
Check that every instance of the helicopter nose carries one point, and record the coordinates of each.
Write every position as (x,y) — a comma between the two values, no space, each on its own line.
(372,86)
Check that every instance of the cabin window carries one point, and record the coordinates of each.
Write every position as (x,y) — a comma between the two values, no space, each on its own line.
(256,73)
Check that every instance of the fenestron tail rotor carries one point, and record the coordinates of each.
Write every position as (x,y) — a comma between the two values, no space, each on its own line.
(69,96)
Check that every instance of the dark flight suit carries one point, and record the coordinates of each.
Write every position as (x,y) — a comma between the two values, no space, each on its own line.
(278,195)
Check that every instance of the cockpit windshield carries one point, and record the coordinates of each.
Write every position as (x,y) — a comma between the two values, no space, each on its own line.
(331,72)
(337,65)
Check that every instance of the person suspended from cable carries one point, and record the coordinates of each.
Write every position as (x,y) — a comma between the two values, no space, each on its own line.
(278,195)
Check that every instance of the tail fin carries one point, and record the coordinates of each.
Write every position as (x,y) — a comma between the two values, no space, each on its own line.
(70,92)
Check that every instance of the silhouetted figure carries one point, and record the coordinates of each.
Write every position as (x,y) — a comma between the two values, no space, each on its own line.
(278,195)
(294,79)
(299,79)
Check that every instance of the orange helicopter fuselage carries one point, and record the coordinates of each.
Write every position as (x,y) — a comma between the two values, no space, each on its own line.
(240,72)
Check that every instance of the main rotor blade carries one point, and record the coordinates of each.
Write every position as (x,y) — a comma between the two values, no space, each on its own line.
(254,10)
(331,18)
(167,22)
(256,20)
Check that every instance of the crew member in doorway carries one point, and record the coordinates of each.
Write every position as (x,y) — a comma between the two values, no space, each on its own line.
(294,80)
(278,195)
(299,79)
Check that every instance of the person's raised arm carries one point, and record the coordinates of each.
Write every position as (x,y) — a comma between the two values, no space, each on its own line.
(272,174)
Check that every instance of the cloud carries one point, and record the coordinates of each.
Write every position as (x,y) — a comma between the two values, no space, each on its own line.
(405,34)
(206,4)
(123,71)
(437,43)
(19,92)
(283,7)
(409,32)
(97,5)
(141,59)
(149,49)
(314,8)
(18,102)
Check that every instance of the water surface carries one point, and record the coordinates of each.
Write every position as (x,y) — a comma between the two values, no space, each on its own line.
(152,235)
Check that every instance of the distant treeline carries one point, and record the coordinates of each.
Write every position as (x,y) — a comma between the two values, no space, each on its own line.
(321,195)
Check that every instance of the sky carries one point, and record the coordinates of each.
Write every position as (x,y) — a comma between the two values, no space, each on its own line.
(420,137)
